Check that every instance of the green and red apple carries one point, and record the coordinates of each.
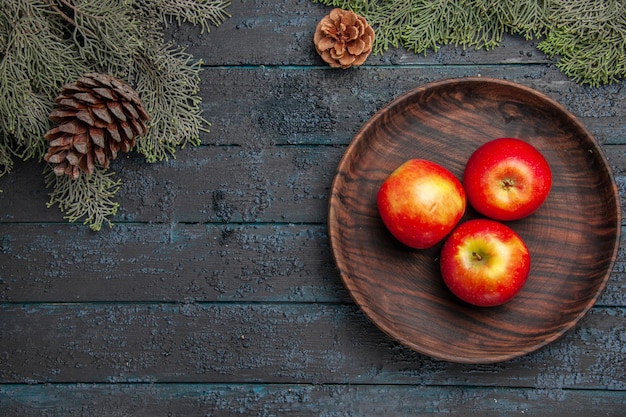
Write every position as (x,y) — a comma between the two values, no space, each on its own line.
(507,179)
(420,203)
(484,262)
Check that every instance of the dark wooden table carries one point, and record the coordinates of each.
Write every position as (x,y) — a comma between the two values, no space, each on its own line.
(215,294)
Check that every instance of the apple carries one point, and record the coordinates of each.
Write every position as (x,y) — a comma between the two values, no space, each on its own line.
(420,203)
(484,262)
(507,179)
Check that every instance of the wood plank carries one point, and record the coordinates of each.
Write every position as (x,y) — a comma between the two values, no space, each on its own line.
(275,343)
(288,26)
(201,400)
(185,262)
(258,106)
(172,263)
(232,185)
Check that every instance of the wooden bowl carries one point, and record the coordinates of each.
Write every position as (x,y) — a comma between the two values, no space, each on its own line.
(573,238)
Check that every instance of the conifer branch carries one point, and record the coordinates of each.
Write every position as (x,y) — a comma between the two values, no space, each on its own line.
(45,44)
(169,83)
(588,38)
(89,198)
(61,13)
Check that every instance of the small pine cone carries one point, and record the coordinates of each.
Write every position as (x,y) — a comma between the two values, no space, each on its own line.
(98,116)
(343,39)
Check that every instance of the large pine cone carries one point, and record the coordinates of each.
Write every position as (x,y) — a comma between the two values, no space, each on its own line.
(99,116)
(343,39)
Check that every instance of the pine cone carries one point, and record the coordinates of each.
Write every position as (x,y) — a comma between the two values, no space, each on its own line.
(98,115)
(343,39)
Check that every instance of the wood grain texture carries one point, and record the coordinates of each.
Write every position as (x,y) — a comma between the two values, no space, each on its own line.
(201,400)
(168,263)
(573,238)
(318,343)
(303,105)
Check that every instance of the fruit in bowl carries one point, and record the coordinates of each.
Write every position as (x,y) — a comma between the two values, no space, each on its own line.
(420,203)
(507,179)
(484,262)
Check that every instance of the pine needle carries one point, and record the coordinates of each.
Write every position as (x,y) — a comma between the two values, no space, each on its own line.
(203,13)
(105,33)
(89,198)
(23,112)
(588,38)
(168,82)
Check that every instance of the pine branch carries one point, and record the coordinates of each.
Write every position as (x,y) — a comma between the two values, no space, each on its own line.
(23,112)
(587,54)
(387,17)
(106,33)
(45,44)
(33,34)
(476,23)
(197,12)
(168,82)
(592,60)
(528,18)
(89,198)
(34,63)
(588,38)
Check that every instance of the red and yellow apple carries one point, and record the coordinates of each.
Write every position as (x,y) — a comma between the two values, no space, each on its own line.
(507,179)
(484,262)
(420,203)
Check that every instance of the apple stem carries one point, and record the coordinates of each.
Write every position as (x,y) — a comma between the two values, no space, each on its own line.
(477,256)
